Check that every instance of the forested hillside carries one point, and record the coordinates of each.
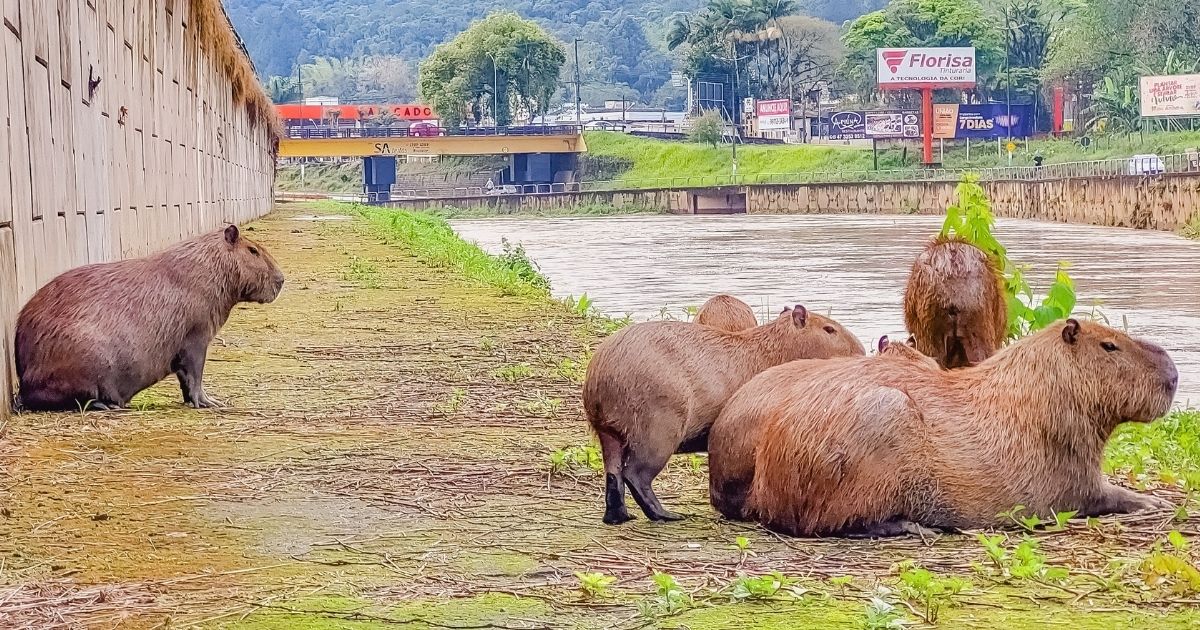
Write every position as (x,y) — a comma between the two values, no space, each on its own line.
(623,52)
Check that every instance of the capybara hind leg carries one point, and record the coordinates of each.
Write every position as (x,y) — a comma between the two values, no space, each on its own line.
(639,474)
(1118,500)
(613,451)
(189,368)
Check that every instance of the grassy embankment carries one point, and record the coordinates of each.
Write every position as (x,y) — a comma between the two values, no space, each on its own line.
(406,449)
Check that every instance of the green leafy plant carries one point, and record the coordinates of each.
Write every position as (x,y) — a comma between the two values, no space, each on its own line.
(586,457)
(572,370)
(1171,568)
(514,258)
(971,219)
(761,587)
(364,272)
(487,344)
(595,585)
(513,373)
(453,402)
(707,128)
(669,598)
(929,592)
(540,405)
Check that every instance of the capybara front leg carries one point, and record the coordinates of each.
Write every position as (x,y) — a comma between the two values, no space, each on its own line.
(189,368)
(1118,500)
(613,451)
(890,528)
(639,474)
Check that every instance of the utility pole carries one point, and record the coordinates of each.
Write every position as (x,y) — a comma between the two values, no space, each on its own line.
(578,117)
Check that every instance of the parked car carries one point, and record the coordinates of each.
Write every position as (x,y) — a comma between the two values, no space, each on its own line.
(423,130)
(1146,164)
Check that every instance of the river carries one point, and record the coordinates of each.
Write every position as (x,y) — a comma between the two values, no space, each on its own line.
(853,266)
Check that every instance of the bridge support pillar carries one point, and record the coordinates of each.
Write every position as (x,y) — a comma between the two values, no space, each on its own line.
(542,168)
(379,173)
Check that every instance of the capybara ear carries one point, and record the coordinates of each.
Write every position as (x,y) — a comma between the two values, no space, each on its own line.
(883,343)
(232,234)
(1070,331)
(799,315)
(911,342)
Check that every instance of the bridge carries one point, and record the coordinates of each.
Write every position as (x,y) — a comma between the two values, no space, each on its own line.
(303,142)
(538,154)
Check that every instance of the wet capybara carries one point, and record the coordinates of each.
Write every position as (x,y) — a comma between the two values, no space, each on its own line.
(653,389)
(727,313)
(859,450)
(736,431)
(97,335)
(954,303)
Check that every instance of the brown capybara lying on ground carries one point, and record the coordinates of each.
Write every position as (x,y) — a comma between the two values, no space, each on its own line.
(861,450)
(727,313)
(954,303)
(97,335)
(736,432)
(653,389)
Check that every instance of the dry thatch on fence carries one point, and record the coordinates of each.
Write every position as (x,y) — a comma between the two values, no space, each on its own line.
(217,31)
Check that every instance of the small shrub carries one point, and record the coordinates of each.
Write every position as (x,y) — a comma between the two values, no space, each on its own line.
(971,219)
(1191,229)
(929,592)
(515,259)
(587,458)
(708,128)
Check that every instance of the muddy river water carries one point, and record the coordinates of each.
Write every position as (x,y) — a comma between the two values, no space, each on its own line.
(852,265)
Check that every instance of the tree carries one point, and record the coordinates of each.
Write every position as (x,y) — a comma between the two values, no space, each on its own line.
(283,89)
(932,23)
(707,128)
(503,65)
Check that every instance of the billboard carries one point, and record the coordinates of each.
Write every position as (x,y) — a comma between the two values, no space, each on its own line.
(1177,95)
(925,67)
(774,115)
(991,120)
(860,125)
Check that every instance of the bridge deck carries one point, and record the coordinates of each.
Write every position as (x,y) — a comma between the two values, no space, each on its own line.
(430,141)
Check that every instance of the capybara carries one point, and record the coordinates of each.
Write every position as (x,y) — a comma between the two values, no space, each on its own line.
(954,303)
(736,431)
(727,313)
(97,335)
(653,389)
(865,450)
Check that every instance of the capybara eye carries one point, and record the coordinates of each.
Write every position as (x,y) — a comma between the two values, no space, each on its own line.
(1109,346)
(254,250)
(830,329)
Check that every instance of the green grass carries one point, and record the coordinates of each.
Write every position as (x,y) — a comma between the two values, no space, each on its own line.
(645,159)
(345,177)
(656,159)
(582,210)
(1165,451)
(434,243)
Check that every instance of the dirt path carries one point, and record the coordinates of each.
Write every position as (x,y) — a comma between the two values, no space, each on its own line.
(386,462)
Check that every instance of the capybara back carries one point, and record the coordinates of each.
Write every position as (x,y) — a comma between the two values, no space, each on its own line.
(954,303)
(727,313)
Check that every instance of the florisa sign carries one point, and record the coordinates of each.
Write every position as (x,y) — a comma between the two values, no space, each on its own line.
(925,67)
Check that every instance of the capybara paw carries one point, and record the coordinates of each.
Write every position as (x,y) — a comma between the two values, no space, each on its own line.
(667,516)
(617,519)
(206,402)
(1150,503)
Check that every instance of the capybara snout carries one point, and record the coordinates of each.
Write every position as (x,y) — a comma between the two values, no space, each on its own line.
(261,279)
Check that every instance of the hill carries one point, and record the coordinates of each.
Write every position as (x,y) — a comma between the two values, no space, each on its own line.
(623,52)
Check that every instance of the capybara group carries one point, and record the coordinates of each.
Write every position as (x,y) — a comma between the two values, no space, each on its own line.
(727,313)
(737,430)
(954,303)
(97,335)
(654,389)
(867,448)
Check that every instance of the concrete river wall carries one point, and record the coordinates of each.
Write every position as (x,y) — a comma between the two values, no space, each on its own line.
(1157,203)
